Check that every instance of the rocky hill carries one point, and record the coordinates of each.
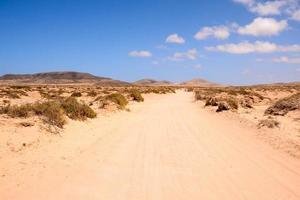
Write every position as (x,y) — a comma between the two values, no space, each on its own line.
(58,78)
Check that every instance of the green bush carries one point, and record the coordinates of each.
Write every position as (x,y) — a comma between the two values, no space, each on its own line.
(118,99)
(52,111)
(76,110)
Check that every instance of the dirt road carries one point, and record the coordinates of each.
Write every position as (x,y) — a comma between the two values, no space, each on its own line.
(165,148)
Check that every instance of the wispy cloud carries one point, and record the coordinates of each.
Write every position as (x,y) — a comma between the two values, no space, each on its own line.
(273,7)
(268,8)
(175,38)
(296,15)
(188,55)
(256,47)
(219,32)
(141,53)
(288,60)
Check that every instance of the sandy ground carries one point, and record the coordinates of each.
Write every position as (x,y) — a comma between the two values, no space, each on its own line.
(166,148)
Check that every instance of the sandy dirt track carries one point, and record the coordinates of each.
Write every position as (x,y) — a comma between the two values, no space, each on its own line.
(165,148)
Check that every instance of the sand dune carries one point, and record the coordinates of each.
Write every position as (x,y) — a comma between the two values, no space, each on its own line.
(166,148)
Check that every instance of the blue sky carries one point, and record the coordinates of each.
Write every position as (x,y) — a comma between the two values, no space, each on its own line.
(228,41)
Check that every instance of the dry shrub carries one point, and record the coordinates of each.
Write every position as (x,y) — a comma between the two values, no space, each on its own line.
(5,101)
(18,87)
(26,124)
(233,104)
(14,111)
(76,94)
(189,89)
(211,101)
(12,95)
(92,93)
(52,111)
(51,95)
(118,99)
(283,106)
(76,110)
(223,104)
(269,123)
(136,95)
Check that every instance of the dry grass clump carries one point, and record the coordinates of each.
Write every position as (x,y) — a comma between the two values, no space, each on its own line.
(159,90)
(189,89)
(230,98)
(5,101)
(51,111)
(117,98)
(21,111)
(12,93)
(227,104)
(243,92)
(51,94)
(283,106)
(211,101)
(223,104)
(92,93)
(76,94)
(76,110)
(136,95)
(269,123)
(22,87)
(26,124)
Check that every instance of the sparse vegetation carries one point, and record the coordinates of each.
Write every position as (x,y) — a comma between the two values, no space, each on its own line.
(136,95)
(283,106)
(118,99)
(76,94)
(76,110)
(269,123)
(92,93)
(14,111)
(52,112)
(230,98)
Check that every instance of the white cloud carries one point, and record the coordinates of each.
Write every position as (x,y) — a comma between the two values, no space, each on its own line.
(175,38)
(142,53)
(296,15)
(288,60)
(245,2)
(289,48)
(189,55)
(256,47)
(273,7)
(263,27)
(219,32)
(268,8)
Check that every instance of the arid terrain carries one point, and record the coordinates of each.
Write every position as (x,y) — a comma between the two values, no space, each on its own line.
(81,141)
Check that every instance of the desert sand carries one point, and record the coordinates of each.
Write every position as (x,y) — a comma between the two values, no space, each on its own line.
(167,147)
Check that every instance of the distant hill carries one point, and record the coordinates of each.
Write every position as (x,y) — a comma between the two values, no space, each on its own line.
(151,82)
(200,83)
(297,83)
(58,78)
